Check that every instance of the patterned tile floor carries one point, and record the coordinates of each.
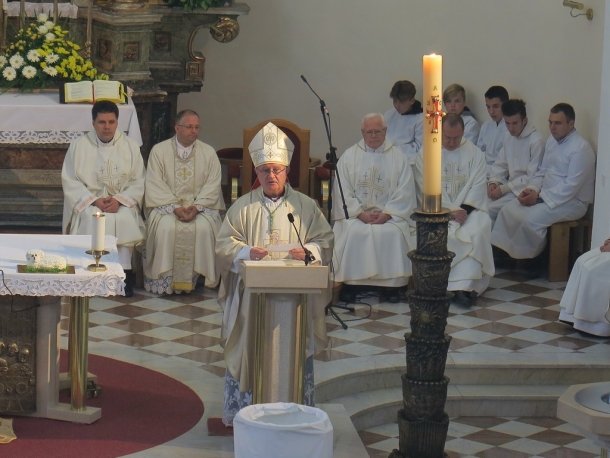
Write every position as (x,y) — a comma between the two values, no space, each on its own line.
(516,316)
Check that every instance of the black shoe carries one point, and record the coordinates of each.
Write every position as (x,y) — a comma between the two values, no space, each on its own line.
(130,281)
(464,298)
(391,295)
(347,294)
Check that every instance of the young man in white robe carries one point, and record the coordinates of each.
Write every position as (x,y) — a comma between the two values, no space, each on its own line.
(404,121)
(464,193)
(103,172)
(183,199)
(517,162)
(561,190)
(371,245)
(586,298)
(454,98)
(493,131)
(257,228)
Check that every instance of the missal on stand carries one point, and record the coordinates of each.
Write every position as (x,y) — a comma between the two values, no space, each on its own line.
(93,91)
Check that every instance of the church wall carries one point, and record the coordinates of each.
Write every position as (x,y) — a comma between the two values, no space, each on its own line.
(352,51)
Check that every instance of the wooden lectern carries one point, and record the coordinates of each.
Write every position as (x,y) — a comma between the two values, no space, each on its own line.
(286,276)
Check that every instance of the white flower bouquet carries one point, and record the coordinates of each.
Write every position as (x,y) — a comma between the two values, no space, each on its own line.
(41,56)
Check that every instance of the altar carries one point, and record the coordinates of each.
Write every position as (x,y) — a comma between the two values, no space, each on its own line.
(35,131)
(42,293)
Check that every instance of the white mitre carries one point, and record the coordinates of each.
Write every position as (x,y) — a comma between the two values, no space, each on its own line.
(271,144)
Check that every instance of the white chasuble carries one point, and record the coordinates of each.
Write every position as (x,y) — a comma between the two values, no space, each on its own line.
(256,221)
(373,254)
(178,252)
(92,170)
(464,182)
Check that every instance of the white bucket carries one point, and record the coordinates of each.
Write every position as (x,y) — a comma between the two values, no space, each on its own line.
(280,430)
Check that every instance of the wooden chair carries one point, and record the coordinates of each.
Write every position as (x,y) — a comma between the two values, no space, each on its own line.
(299,165)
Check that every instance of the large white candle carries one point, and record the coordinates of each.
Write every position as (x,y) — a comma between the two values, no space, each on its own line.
(99,232)
(433,84)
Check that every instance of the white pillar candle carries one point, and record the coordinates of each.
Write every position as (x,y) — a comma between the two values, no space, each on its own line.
(99,232)
(433,68)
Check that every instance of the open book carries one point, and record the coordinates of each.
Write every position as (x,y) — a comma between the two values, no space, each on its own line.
(92,91)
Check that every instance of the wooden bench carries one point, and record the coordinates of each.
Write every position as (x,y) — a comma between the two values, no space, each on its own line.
(567,241)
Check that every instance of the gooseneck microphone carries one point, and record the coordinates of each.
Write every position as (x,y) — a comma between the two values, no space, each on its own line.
(309,257)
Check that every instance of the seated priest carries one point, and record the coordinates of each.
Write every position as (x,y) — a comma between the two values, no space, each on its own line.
(183,199)
(464,193)
(371,245)
(257,227)
(103,171)
(586,298)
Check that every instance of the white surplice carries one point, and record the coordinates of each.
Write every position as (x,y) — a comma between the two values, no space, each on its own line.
(405,131)
(515,166)
(373,254)
(587,295)
(464,184)
(471,126)
(491,139)
(93,169)
(566,182)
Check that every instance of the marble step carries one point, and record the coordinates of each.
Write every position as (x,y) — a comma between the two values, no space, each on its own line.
(378,407)
(347,377)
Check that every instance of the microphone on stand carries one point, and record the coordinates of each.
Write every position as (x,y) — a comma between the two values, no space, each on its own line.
(309,257)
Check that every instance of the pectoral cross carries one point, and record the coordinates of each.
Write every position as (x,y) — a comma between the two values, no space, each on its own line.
(436,113)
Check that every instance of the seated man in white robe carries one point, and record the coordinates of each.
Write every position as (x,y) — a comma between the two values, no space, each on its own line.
(103,171)
(517,162)
(405,120)
(454,98)
(561,190)
(585,300)
(493,131)
(183,199)
(371,245)
(464,194)
(257,228)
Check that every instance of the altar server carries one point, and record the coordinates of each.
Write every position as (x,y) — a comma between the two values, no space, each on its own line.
(561,190)
(493,131)
(454,98)
(257,228)
(183,200)
(404,121)
(103,171)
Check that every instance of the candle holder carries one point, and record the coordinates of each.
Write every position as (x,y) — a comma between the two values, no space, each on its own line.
(97,254)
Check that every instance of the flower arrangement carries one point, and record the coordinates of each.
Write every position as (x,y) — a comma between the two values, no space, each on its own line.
(41,55)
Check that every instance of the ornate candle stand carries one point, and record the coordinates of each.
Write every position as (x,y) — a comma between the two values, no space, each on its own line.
(422,421)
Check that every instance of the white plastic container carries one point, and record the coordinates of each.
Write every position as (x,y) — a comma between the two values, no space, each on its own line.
(281,430)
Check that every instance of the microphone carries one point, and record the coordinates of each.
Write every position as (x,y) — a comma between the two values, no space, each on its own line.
(309,257)
(322,102)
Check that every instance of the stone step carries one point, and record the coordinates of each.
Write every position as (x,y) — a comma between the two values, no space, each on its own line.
(378,407)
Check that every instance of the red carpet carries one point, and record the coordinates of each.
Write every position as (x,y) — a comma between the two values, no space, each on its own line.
(140,409)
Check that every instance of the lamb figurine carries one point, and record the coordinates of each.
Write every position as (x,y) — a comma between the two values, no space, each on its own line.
(37,259)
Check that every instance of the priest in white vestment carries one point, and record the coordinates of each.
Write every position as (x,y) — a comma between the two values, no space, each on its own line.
(517,162)
(561,190)
(493,131)
(103,171)
(586,297)
(464,195)
(404,121)
(257,228)
(371,245)
(183,199)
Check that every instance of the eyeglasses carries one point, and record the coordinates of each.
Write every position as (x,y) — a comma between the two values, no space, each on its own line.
(372,133)
(189,127)
(268,172)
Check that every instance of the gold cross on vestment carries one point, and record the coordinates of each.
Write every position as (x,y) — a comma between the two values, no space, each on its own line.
(436,113)
(371,180)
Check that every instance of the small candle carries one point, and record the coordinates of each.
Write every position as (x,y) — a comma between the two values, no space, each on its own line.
(99,232)
(433,83)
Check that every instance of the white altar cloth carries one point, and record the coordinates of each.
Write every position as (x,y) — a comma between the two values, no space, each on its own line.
(40,118)
(83,283)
